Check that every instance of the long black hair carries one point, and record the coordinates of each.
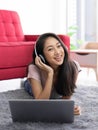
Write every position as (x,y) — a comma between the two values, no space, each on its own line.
(67,75)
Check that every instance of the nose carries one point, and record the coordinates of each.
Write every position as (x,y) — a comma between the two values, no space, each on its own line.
(57,51)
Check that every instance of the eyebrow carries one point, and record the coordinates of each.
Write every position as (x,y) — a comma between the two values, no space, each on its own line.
(52,45)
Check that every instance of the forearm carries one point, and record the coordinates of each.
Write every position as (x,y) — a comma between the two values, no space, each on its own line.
(46,92)
(66,97)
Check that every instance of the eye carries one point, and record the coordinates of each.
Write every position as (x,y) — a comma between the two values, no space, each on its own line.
(59,45)
(50,49)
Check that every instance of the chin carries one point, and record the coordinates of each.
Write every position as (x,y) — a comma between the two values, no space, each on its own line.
(59,63)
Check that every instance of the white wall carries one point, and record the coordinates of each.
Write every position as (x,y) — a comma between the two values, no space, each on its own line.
(39,16)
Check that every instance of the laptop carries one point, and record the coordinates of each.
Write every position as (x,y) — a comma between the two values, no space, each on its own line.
(32,110)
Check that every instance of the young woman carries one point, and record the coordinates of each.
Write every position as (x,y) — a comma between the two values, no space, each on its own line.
(52,73)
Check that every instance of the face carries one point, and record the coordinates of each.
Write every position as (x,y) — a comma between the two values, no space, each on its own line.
(54,52)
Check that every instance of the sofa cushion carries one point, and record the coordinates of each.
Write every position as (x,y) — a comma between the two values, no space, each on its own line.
(15,54)
(10,27)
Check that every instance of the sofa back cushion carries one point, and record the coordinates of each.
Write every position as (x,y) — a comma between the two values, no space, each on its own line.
(10,27)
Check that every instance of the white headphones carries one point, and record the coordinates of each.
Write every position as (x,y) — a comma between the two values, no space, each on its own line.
(41,57)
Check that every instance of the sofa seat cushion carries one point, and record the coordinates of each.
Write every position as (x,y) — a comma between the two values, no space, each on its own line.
(15,54)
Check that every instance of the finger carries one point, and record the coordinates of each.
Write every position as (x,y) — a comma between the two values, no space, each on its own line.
(37,61)
(77,113)
(77,107)
(77,110)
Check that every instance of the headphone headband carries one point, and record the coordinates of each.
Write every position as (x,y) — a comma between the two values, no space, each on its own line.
(42,58)
(35,50)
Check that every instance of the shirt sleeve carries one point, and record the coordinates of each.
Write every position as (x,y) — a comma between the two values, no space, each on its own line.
(33,72)
(77,65)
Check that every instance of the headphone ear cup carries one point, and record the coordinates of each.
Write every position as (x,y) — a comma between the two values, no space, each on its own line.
(42,58)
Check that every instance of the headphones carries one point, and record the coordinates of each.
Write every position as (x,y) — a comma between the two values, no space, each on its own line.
(41,57)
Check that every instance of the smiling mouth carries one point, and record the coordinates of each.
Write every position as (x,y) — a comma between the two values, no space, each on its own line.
(58,58)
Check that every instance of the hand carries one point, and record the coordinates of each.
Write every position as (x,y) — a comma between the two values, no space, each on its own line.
(77,110)
(42,65)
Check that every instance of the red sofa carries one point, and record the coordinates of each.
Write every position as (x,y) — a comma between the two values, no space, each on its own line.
(15,47)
